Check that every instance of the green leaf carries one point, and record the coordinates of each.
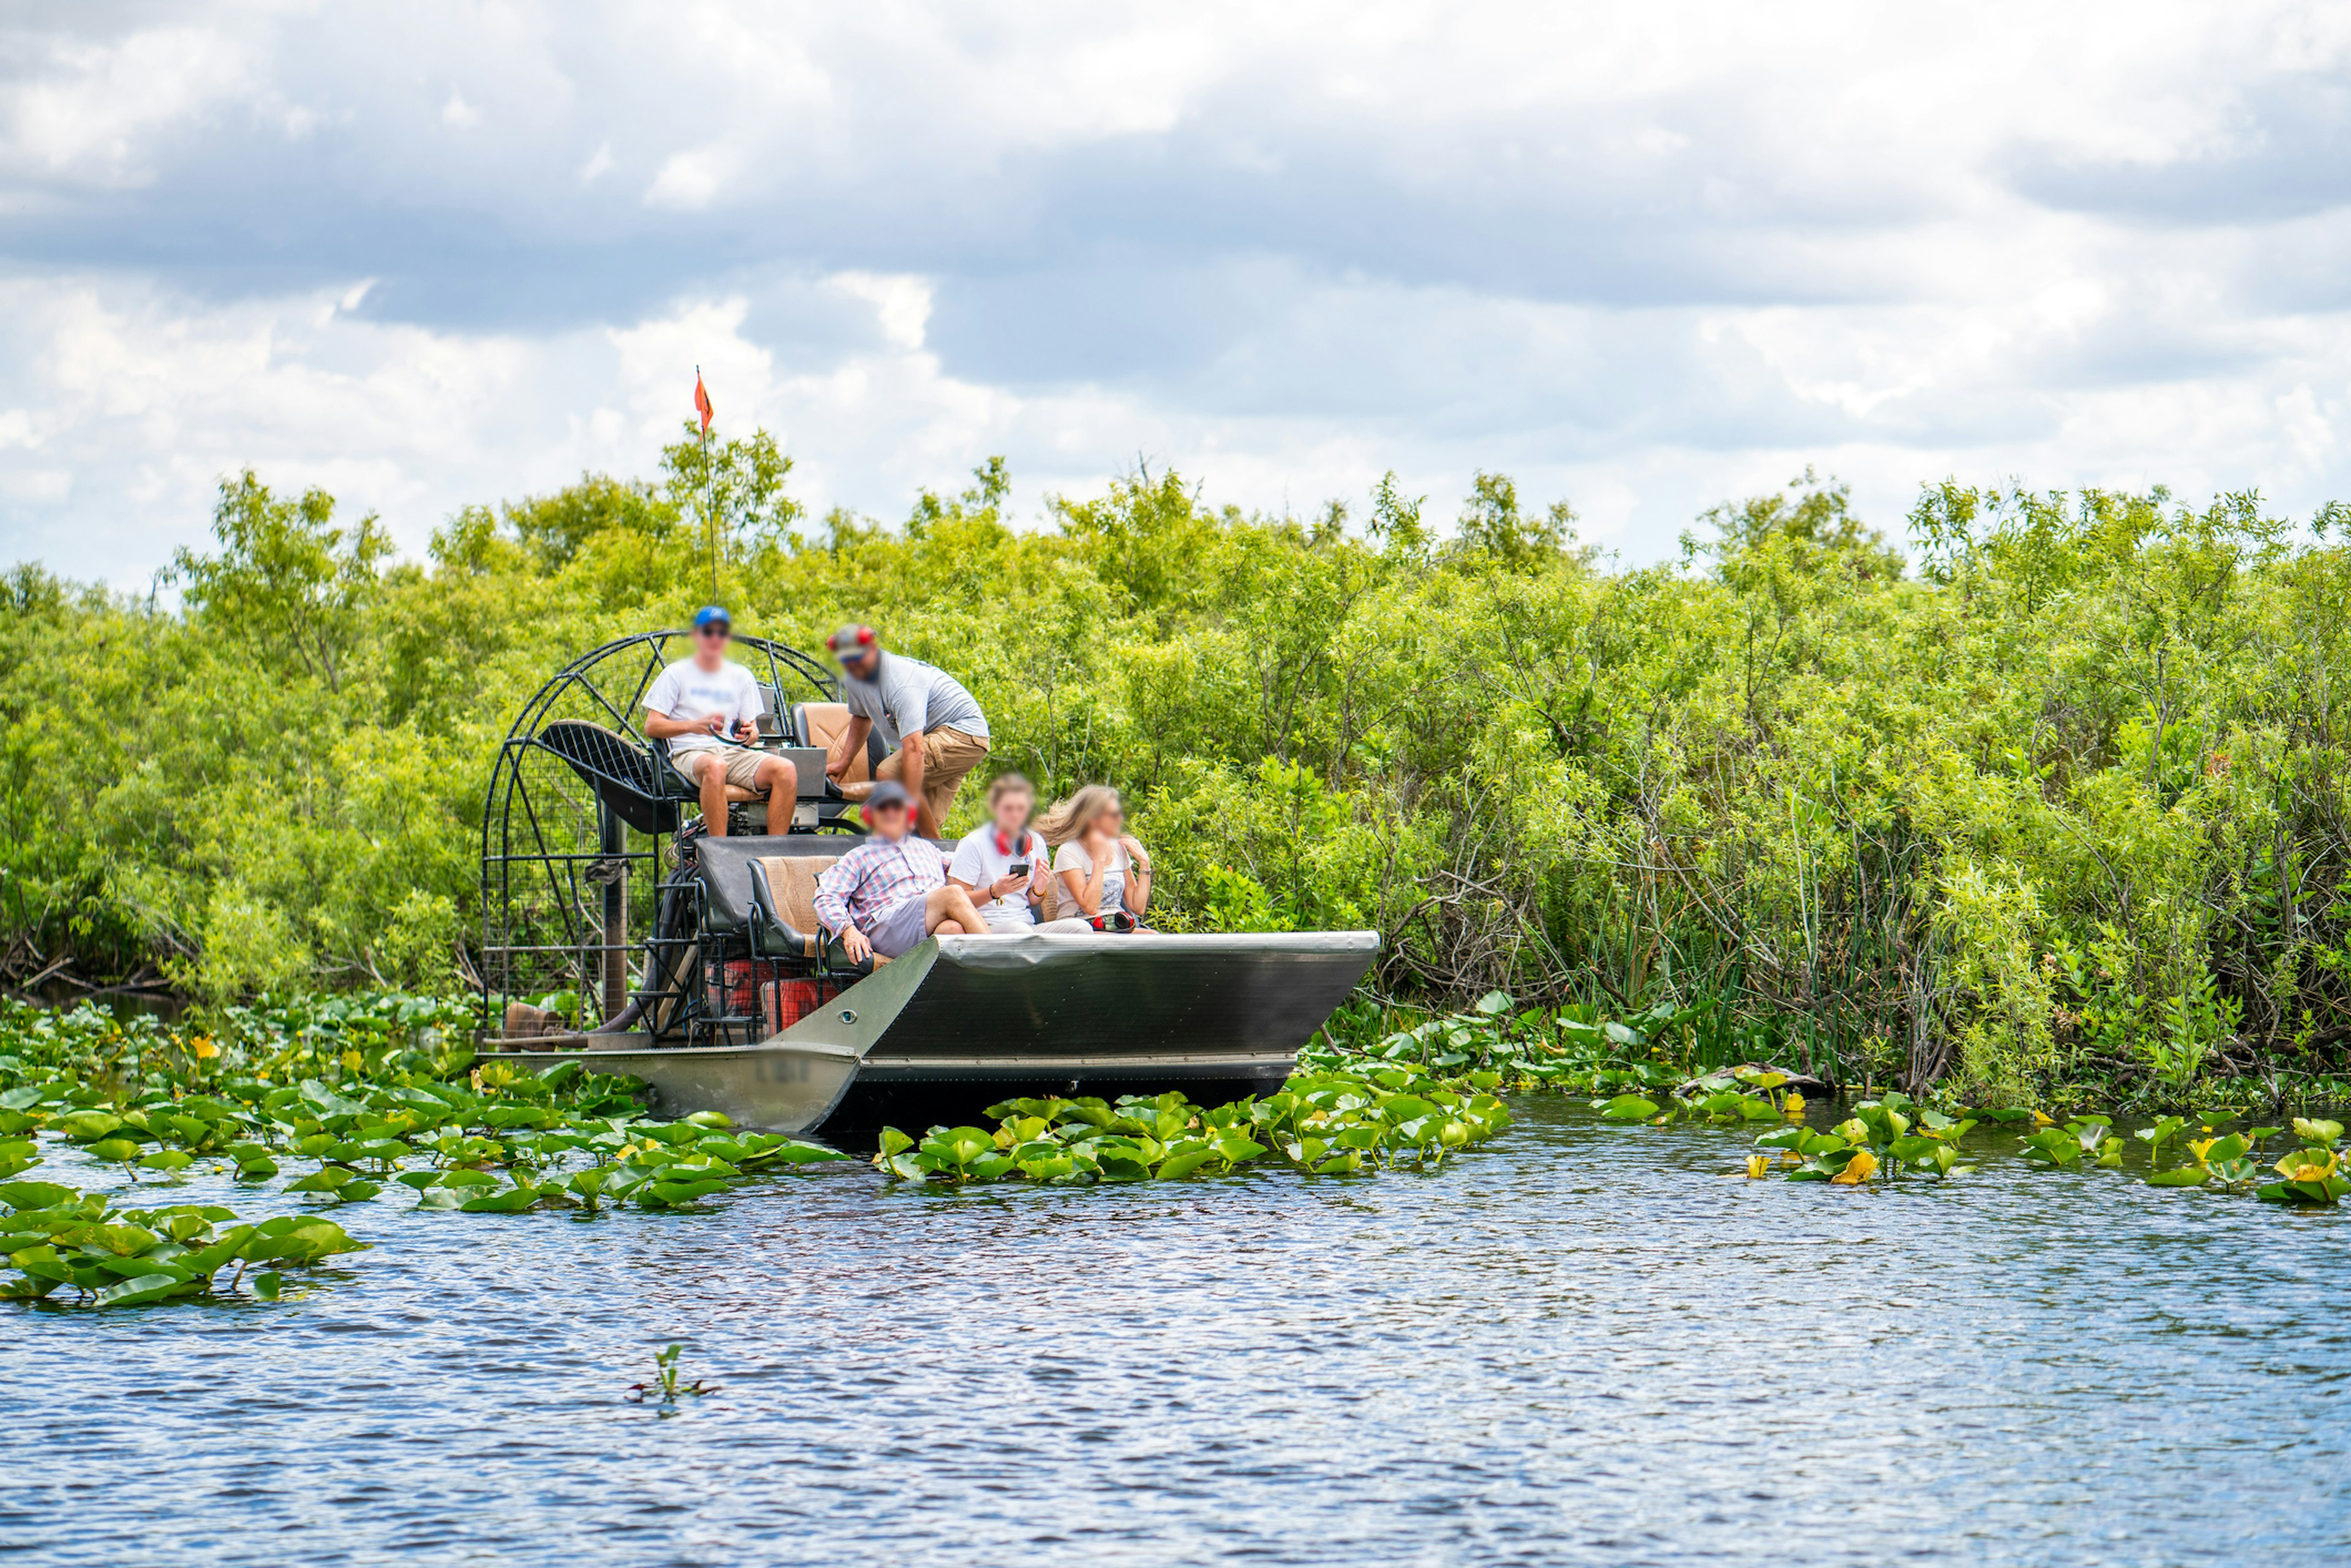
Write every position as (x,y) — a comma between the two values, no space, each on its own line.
(325,1179)
(514,1200)
(2188,1175)
(115,1151)
(87,1126)
(268,1285)
(1176,1167)
(24,1194)
(1236,1148)
(138,1291)
(1629,1108)
(167,1160)
(669,1194)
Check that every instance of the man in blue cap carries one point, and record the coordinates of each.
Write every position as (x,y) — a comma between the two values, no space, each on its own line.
(698,706)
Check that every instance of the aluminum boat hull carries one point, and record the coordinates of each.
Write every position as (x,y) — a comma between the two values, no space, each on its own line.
(962,1021)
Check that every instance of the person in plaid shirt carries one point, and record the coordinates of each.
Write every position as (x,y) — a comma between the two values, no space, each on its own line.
(891,890)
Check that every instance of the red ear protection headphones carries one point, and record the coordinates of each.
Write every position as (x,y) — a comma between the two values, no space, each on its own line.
(864,635)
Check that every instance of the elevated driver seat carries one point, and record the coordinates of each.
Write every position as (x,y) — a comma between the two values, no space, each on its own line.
(822,723)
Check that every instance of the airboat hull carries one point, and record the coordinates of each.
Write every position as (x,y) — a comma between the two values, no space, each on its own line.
(962,1021)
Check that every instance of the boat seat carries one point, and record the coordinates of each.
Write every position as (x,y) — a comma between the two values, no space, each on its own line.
(822,723)
(617,767)
(783,903)
(726,869)
(675,781)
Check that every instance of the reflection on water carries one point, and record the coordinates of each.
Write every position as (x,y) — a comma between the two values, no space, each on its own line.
(1580,1344)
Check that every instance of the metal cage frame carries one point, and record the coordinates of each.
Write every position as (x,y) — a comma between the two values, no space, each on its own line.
(551,837)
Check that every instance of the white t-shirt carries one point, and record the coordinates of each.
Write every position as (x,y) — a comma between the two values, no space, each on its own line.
(688,692)
(1072,857)
(911,697)
(979,862)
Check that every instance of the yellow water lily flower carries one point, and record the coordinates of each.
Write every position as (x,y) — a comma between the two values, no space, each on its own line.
(353,1059)
(2201,1148)
(203,1047)
(1859,1169)
(1758,1167)
(1793,1107)
(2307,1165)
(2040,1121)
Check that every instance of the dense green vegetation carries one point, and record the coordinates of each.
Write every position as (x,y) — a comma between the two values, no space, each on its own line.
(2061,803)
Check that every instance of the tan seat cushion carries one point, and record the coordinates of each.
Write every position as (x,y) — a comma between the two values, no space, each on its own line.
(824,723)
(791,891)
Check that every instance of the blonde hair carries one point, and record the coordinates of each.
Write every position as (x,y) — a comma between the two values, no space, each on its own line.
(1007,784)
(1069,819)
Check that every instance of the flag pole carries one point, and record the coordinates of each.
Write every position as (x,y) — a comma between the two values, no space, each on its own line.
(710,511)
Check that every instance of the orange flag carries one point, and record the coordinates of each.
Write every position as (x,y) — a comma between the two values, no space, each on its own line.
(701,403)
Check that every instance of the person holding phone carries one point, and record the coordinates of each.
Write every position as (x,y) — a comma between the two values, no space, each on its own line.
(1104,874)
(1001,863)
(699,704)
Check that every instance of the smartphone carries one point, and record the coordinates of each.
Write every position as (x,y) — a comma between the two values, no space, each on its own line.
(1018,868)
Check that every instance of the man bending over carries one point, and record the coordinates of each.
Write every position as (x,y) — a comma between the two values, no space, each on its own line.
(891,890)
(695,701)
(930,725)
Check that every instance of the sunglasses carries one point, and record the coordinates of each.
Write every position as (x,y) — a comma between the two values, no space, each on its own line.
(720,630)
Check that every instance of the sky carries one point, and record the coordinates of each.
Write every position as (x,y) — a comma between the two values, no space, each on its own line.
(1643,257)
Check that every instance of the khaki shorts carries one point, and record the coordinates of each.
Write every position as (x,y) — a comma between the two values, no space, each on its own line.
(948,756)
(742,767)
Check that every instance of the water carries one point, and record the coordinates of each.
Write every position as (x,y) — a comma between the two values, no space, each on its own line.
(1578,1345)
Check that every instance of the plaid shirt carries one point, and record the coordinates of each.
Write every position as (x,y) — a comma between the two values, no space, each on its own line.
(876,877)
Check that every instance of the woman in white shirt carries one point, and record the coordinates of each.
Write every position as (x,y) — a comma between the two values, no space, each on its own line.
(1102,871)
(1002,861)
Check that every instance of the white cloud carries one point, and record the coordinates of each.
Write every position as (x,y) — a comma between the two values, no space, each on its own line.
(1646,255)
(96,112)
(689,181)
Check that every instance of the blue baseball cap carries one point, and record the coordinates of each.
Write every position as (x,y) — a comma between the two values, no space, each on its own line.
(713,615)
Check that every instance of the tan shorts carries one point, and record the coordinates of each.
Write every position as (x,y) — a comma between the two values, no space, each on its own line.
(948,756)
(742,767)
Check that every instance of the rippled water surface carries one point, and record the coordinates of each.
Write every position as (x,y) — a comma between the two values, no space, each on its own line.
(1581,1343)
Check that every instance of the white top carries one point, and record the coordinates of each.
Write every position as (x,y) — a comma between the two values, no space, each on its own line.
(981,860)
(1072,857)
(911,698)
(687,692)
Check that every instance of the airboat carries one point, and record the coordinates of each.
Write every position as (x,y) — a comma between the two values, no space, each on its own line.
(731,1002)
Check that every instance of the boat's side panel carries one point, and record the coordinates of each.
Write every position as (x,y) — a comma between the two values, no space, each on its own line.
(1107,1000)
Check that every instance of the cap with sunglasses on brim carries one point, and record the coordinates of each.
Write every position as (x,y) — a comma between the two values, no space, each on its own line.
(711,615)
(886,795)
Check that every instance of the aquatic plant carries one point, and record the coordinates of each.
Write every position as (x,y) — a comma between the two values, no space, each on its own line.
(2314,1174)
(667,1384)
(57,1237)
(392,1103)
(1320,1123)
